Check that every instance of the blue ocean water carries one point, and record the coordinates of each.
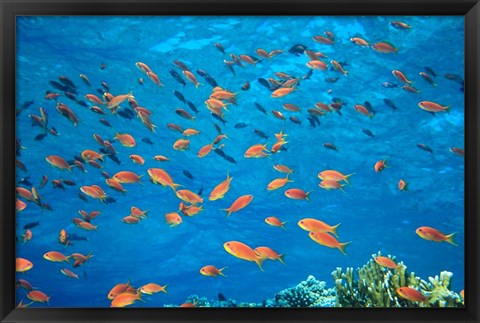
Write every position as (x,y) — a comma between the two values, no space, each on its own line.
(374,214)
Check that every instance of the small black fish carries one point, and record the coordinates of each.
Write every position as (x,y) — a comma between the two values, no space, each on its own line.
(338,100)
(220,152)
(297,49)
(202,73)
(312,122)
(126,113)
(210,80)
(147,141)
(82,103)
(30,225)
(430,71)
(316,119)
(65,80)
(294,119)
(192,107)
(240,125)
(221,298)
(307,76)
(390,103)
(230,159)
(331,79)
(200,191)
(260,133)
(188,174)
(58,86)
(25,181)
(260,108)
(425,147)
(219,118)
(75,237)
(455,78)
(369,107)
(230,67)
(178,77)
(26,104)
(82,197)
(331,146)
(77,158)
(100,91)
(368,133)
(264,82)
(217,127)
(105,122)
(40,136)
(110,199)
(179,96)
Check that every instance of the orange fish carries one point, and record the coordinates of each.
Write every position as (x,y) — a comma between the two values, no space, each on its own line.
(314,225)
(297,194)
(189,197)
(115,185)
(433,107)
(462,294)
(401,77)
(256,151)
(212,271)
(329,241)
(317,65)
(276,222)
(137,159)
(380,165)
(119,289)
(181,144)
(338,67)
(277,114)
(457,151)
(55,256)
(268,253)
(400,25)
(221,189)
(152,288)
(432,234)
(411,294)
(282,168)
(189,304)
(359,41)
(291,107)
(20,304)
(334,175)
(223,95)
(282,92)
(124,177)
(190,132)
(239,204)
(205,150)
(125,299)
(86,226)
(119,99)
(63,237)
(88,154)
(94,191)
(402,185)
(160,176)
(154,77)
(173,219)
(69,273)
(191,210)
(130,219)
(161,158)
(189,75)
(27,236)
(125,139)
(363,110)
(38,296)
(20,205)
(22,265)
(94,99)
(385,48)
(323,40)
(278,183)
(385,262)
(329,184)
(219,138)
(137,213)
(59,162)
(143,67)
(242,251)
(262,53)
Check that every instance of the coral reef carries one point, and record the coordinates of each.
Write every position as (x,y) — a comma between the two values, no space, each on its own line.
(309,293)
(376,287)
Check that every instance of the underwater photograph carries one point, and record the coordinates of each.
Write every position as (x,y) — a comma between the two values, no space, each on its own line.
(240,161)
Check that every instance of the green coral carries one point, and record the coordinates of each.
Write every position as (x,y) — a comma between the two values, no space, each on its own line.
(376,287)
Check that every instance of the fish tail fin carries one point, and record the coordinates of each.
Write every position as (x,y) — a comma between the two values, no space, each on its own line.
(307,195)
(342,189)
(450,238)
(347,177)
(196,85)
(164,289)
(175,186)
(334,230)
(283,225)
(228,212)
(447,109)
(281,258)
(259,260)
(220,272)
(343,246)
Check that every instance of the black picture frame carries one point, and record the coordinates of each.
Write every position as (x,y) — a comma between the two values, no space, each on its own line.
(470,9)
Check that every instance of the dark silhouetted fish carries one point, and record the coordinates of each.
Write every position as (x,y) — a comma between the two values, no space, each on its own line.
(425,147)
(221,298)
(71,96)
(40,136)
(312,122)
(25,181)
(126,113)
(210,80)
(111,156)
(147,141)
(260,133)
(264,82)
(27,104)
(178,77)
(307,76)
(59,86)
(260,108)
(188,174)
(105,122)
(219,118)
(294,119)
(230,67)
(455,78)
(297,49)
(390,104)
(200,191)
(217,127)
(331,146)
(219,151)
(316,119)
(368,133)
(30,225)
(179,96)
(240,125)
(231,159)
(430,71)
(65,80)
(75,237)
(331,79)
(369,107)
(110,199)
(83,197)
(82,103)
(77,158)
(192,107)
